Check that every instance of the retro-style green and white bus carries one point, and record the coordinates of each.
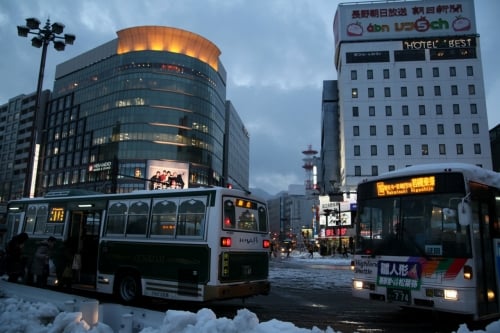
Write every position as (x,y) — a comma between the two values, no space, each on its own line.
(196,244)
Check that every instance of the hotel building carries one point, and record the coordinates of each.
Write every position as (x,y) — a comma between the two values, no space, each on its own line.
(410,89)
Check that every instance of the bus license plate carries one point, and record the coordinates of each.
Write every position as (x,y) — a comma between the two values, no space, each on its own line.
(398,295)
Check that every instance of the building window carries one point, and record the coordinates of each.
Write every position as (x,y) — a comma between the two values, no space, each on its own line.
(421,110)
(470,71)
(458,129)
(392,167)
(404,92)
(423,129)
(386,74)
(357,150)
(440,129)
(454,90)
(456,108)
(387,92)
(472,89)
(373,130)
(418,72)
(369,74)
(460,149)
(402,73)
(388,110)
(371,92)
(373,150)
(473,109)
(355,130)
(355,111)
(354,75)
(437,91)
(453,71)
(357,170)
(407,149)
(389,130)
(435,72)
(371,111)
(442,149)
(374,170)
(477,148)
(439,109)
(406,129)
(425,149)
(390,150)
(354,93)
(475,128)
(404,110)
(420,91)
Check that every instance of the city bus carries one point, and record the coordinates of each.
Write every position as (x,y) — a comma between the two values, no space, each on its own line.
(197,244)
(428,237)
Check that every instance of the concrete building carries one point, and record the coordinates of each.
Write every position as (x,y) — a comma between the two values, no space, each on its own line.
(17,128)
(410,88)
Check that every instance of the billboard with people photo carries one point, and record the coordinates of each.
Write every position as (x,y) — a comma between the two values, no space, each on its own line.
(167,175)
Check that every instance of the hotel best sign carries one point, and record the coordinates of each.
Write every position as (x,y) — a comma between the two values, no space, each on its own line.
(399,20)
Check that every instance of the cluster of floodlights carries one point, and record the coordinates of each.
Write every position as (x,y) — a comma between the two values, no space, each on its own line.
(49,33)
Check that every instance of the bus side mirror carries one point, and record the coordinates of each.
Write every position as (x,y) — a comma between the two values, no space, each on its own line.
(464,213)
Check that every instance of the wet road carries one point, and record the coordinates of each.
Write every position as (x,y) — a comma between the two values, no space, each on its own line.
(297,297)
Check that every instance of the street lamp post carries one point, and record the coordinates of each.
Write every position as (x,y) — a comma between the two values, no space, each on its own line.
(42,38)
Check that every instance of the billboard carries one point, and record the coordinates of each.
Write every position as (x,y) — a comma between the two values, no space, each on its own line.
(166,175)
(403,19)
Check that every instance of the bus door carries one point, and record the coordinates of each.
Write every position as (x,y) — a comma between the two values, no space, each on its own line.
(487,289)
(13,222)
(84,241)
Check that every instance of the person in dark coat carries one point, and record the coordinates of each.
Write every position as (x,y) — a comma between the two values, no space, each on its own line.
(15,261)
(40,264)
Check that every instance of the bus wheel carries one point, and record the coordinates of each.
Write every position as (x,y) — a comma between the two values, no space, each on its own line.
(129,288)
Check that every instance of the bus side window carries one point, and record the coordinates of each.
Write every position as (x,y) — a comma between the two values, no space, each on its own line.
(115,223)
(41,219)
(137,218)
(164,218)
(30,219)
(191,217)
(229,214)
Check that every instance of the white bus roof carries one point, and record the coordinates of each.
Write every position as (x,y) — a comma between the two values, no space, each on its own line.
(470,171)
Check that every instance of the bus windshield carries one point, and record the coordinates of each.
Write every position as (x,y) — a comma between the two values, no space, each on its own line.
(419,225)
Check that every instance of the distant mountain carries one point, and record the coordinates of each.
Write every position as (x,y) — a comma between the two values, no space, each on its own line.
(261,193)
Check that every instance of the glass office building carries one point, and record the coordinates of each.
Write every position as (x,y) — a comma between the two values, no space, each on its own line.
(151,101)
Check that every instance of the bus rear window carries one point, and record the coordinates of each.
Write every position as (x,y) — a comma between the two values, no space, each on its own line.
(244,215)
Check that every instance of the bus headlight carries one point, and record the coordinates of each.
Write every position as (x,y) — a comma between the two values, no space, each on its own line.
(357,284)
(451,294)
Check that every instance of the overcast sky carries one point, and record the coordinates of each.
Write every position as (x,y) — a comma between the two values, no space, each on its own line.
(277,53)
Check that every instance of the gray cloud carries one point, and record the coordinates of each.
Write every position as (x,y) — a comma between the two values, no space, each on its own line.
(277,54)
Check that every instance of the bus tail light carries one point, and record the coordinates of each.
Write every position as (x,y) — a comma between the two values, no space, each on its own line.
(467,272)
(225,241)
(266,243)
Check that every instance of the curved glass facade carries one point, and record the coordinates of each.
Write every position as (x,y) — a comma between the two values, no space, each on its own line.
(110,120)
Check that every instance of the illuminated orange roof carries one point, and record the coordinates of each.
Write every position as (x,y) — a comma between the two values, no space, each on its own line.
(157,38)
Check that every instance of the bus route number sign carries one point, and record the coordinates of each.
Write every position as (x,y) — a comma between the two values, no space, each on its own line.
(398,295)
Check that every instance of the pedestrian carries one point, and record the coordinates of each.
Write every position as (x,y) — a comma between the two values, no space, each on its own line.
(311,250)
(15,260)
(40,265)
(344,252)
